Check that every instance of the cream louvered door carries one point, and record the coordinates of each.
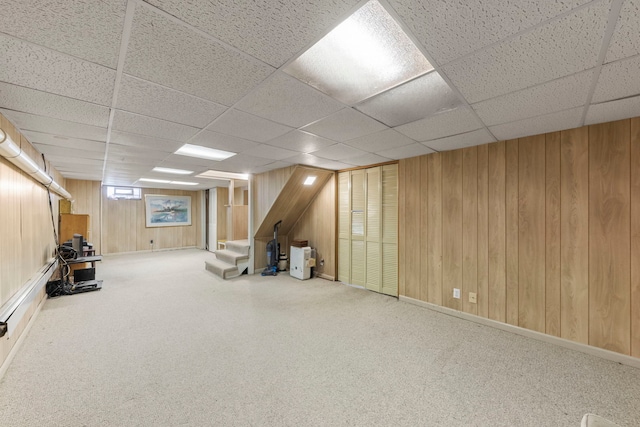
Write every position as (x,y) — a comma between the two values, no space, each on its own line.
(368,228)
(373,231)
(358,208)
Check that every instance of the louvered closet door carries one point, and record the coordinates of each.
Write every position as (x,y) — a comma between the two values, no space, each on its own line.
(373,230)
(390,230)
(344,227)
(368,228)
(358,208)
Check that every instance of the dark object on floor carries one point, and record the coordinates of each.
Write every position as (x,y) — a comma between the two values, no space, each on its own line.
(273,249)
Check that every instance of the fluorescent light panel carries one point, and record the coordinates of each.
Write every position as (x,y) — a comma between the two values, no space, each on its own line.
(174,171)
(166,181)
(310,180)
(211,174)
(204,152)
(366,54)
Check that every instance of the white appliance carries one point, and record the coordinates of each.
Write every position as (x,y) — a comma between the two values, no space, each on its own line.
(299,262)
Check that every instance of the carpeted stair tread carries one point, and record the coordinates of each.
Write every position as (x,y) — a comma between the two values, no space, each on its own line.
(230,257)
(221,268)
(239,246)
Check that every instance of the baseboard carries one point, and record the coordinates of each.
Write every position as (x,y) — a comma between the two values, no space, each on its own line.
(149,251)
(4,366)
(326,276)
(584,348)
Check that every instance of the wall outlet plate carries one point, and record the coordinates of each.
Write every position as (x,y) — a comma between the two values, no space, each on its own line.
(456,293)
(473,297)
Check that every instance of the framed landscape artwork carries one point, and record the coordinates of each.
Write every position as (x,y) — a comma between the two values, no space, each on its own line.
(167,211)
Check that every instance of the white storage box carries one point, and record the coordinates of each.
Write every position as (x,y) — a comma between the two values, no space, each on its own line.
(299,264)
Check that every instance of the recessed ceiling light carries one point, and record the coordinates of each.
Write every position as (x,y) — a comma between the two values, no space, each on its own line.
(160,181)
(211,174)
(175,171)
(366,54)
(166,181)
(310,180)
(204,152)
(184,183)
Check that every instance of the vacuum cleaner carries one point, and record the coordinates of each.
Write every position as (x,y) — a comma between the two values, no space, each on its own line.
(273,251)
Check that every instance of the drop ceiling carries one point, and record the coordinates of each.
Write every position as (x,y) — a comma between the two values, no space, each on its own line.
(108,90)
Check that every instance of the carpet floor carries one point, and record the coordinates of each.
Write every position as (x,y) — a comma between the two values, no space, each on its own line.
(167,343)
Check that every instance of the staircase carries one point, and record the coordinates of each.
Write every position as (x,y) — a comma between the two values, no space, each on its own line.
(230,262)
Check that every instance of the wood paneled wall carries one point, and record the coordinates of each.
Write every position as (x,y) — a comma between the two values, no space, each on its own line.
(265,189)
(27,242)
(545,229)
(318,226)
(124,227)
(87,200)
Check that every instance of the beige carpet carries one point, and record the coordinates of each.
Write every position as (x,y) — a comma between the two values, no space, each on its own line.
(167,343)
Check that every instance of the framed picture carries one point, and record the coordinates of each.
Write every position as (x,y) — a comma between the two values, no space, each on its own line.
(167,211)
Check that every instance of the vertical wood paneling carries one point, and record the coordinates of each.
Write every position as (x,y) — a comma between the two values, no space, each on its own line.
(434,231)
(469,228)
(402,201)
(424,227)
(497,232)
(609,236)
(574,232)
(412,228)
(511,220)
(635,237)
(87,200)
(552,234)
(531,233)
(452,227)
(483,230)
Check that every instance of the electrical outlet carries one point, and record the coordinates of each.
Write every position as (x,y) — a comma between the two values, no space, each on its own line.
(456,293)
(473,297)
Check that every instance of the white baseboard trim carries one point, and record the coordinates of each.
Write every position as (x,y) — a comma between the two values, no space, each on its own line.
(7,362)
(145,251)
(584,348)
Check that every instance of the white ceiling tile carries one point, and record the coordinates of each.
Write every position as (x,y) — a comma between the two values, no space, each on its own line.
(566,46)
(344,125)
(379,141)
(406,151)
(150,99)
(625,41)
(247,126)
(223,142)
(451,29)
(142,154)
(300,141)
(24,121)
(61,141)
(47,104)
(146,142)
(618,80)
(69,152)
(311,160)
(88,29)
(558,95)
(165,52)
(43,69)
(244,159)
(567,119)
(66,162)
(143,125)
(272,31)
(448,123)
(186,162)
(270,167)
(469,139)
(422,97)
(613,110)
(367,159)
(339,152)
(286,100)
(271,152)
